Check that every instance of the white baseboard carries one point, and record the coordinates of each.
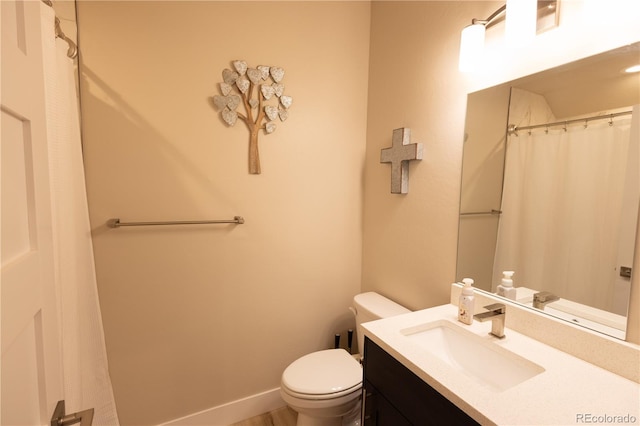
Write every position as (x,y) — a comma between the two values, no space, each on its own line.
(234,411)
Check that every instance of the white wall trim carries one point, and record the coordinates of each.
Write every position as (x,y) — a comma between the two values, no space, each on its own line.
(234,411)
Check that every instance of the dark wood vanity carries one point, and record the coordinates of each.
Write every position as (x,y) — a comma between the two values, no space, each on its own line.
(395,396)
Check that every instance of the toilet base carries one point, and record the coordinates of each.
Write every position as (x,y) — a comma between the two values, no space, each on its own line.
(352,418)
(305,420)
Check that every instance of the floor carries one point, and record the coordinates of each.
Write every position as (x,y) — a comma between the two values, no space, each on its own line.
(284,416)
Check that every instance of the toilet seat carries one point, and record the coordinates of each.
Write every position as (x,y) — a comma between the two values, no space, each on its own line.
(327,374)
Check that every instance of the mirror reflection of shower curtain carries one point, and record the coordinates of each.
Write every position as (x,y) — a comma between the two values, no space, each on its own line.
(563,201)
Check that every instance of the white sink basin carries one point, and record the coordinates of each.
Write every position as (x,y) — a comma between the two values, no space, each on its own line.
(477,357)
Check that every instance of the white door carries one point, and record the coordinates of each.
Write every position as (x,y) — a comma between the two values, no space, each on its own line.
(31,353)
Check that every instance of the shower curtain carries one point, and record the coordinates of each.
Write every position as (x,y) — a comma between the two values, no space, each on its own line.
(86,376)
(562,206)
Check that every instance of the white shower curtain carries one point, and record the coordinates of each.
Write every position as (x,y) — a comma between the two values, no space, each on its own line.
(561,209)
(86,376)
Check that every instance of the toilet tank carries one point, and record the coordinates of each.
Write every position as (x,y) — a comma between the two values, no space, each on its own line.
(371,306)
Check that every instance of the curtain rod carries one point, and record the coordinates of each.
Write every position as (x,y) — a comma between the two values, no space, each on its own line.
(513,129)
(73,48)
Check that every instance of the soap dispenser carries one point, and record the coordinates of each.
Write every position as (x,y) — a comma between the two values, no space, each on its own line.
(506,288)
(466,302)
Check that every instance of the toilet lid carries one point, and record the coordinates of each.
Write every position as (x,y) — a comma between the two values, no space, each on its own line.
(323,372)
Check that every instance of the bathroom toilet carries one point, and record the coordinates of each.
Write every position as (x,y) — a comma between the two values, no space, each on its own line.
(325,387)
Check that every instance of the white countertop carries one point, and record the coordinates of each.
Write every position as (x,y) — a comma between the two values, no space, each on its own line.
(569,391)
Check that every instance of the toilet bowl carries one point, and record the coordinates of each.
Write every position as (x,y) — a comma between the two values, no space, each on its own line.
(325,387)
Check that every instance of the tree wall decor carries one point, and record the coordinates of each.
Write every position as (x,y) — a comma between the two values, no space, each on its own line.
(261,93)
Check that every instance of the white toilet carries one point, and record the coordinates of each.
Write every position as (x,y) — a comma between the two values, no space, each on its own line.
(324,387)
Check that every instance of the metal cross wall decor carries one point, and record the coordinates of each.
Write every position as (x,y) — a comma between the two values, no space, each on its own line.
(399,155)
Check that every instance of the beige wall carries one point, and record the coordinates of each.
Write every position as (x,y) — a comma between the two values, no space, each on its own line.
(409,248)
(202,316)
(199,316)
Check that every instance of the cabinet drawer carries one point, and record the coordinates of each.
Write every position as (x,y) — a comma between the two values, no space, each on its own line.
(379,411)
(407,393)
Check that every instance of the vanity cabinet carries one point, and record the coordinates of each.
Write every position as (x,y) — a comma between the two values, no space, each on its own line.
(395,396)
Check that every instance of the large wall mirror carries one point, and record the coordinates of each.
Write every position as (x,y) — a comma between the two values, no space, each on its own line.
(551,189)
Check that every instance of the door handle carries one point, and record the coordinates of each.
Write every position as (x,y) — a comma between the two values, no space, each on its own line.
(59,418)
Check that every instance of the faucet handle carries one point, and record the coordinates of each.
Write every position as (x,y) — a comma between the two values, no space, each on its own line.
(544,296)
(496,307)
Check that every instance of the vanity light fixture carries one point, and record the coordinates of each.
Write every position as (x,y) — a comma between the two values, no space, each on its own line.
(472,40)
(523,20)
(548,15)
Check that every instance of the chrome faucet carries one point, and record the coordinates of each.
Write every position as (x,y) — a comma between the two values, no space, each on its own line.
(541,299)
(496,314)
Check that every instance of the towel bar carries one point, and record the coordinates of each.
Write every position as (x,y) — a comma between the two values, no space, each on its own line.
(115,222)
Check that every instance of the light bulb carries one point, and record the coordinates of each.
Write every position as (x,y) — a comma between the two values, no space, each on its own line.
(632,69)
(520,25)
(471,47)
